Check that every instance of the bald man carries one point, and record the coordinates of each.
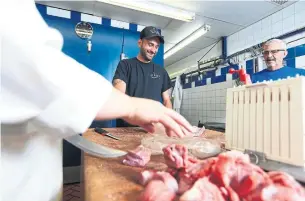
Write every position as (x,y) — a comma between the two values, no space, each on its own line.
(274,52)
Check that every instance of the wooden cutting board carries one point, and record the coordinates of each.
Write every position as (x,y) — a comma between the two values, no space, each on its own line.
(109,179)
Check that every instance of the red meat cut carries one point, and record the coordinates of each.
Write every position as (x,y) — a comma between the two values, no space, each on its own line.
(228,177)
(138,157)
(203,190)
(185,181)
(147,176)
(156,190)
(176,157)
(202,168)
(285,180)
(188,176)
(274,192)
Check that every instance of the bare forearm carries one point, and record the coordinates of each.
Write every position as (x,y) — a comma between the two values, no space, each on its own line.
(168,104)
(118,105)
(166,99)
(119,85)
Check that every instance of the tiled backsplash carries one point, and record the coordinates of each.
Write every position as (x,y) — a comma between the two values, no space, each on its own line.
(205,103)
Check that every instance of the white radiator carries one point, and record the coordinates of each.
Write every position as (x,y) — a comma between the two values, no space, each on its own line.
(268,117)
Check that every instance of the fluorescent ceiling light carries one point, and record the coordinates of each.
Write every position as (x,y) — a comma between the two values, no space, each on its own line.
(154,8)
(195,35)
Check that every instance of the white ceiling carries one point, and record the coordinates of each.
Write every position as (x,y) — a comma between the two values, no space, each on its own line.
(225,18)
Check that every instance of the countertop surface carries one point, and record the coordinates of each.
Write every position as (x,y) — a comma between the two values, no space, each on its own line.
(108,179)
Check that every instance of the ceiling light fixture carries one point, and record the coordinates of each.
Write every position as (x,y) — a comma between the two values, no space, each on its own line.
(186,41)
(154,8)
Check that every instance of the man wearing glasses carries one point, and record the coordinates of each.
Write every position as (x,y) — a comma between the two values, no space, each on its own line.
(274,52)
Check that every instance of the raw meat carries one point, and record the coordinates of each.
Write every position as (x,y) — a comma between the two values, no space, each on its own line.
(275,193)
(156,190)
(186,181)
(174,172)
(147,176)
(232,167)
(138,157)
(188,176)
(175,156)
(229,194)
(229,177)
(285,180)
(203,190)
(202,168)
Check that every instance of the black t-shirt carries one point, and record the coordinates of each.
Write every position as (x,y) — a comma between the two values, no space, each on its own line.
(143,80)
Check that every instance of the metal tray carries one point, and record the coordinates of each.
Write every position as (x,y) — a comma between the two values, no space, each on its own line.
(260,159)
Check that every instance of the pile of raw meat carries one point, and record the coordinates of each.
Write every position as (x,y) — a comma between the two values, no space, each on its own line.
(228,177)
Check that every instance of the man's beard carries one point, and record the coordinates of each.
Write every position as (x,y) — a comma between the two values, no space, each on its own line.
(269,65)
(143,54)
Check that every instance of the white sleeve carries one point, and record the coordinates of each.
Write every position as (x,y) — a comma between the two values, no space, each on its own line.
(41,85)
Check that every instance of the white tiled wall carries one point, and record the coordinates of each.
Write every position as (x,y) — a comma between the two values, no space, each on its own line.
(300,62)
(205,103)
(284,21)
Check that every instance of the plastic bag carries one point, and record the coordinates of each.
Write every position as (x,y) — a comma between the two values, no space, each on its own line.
(160,130)
(198,146)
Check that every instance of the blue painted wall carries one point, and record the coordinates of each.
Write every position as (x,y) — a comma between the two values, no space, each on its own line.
(106,45)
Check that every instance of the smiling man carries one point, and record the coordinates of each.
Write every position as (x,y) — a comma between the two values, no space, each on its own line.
(274,52)
(140,76)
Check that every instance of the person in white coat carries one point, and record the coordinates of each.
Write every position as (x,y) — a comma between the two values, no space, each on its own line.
(47,96)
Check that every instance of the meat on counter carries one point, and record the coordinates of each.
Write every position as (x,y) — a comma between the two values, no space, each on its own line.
(229,177)
(138,157)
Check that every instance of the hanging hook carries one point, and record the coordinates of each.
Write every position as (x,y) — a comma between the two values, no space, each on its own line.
(89,45)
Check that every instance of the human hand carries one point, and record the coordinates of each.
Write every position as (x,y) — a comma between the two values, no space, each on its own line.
(147,113)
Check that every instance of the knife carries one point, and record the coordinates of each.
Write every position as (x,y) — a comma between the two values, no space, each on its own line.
(106,133)
(93,148)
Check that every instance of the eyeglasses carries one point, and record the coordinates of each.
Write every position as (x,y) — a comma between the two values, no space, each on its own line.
(266,52)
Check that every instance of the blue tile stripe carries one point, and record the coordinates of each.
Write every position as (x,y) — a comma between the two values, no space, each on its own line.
(200,82)
(290,62)
(293,53)
(76,16)
(300,50)
(249,64)
(217,79)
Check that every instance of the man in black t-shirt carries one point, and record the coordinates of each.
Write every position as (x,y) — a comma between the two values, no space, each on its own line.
(139,76)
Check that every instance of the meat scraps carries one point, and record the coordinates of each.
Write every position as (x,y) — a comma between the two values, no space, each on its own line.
(229,177)
(138,157)
(176,156)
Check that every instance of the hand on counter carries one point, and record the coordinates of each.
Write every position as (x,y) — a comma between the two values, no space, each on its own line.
(144,113)
(147,113)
